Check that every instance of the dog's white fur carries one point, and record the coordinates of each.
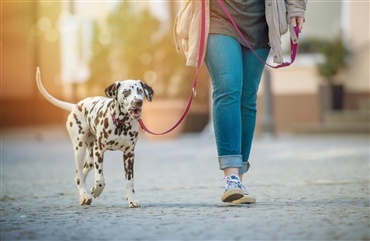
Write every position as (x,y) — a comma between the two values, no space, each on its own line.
(98,124)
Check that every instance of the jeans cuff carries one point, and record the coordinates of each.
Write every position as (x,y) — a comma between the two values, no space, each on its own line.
(230,161)
(245,167)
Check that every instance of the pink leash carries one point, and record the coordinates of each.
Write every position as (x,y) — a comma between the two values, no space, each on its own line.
(193,91)
(294,49)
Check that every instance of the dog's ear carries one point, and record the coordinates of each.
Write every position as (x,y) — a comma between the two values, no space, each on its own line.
(148,91)
(111,91)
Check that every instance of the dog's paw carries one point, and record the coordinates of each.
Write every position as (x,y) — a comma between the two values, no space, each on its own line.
(85,199)
(97,189)
(133,204)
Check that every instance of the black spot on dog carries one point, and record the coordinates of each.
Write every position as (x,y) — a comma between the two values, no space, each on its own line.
(100,143)
(111,142)
(105,133)
(109,104)
(100,157)
(105,113)
(96,121)
(78,124)
(129,155)
(106,123)
(99,111)
(93,106)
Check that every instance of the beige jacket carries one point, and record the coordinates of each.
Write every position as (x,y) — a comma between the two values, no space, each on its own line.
(278,14)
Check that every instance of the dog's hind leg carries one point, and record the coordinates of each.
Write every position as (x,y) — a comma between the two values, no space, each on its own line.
(78,134)
(85,197)
(89,163)
(98,156)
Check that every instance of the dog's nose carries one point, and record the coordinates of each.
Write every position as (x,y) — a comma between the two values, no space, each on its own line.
(137,102)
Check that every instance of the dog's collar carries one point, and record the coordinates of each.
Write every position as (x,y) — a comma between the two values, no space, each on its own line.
(116,120)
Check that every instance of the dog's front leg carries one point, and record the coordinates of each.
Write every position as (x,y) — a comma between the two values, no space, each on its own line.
(128,161)
(98,188)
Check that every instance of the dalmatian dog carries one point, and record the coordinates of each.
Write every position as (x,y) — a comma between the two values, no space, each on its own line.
(99,124)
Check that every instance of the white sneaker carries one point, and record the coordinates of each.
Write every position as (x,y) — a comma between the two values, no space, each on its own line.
(233,189)
(246,199)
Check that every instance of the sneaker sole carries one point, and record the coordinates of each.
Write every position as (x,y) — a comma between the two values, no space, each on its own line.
(232,195)
(246,199)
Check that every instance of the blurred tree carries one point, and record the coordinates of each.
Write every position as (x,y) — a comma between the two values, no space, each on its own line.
(134,46)
(133,39)
(100,75)
(334,52)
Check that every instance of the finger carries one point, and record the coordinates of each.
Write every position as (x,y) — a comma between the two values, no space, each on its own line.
(300,23)
(293,21)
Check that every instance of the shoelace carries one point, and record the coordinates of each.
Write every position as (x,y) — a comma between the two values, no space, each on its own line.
(232,183)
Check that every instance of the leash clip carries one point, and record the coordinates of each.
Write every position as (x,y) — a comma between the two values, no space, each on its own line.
(194,92)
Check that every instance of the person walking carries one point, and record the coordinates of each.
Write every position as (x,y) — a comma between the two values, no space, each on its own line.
(236,71)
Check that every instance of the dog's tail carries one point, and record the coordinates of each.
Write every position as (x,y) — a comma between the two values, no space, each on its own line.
(61,104)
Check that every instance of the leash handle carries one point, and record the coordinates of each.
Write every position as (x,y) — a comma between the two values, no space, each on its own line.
(293,46)
(193,90)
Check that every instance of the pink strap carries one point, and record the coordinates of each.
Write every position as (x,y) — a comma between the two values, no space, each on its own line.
(193,92)
(293,46)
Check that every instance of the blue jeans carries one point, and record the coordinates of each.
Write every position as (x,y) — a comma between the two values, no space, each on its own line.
(236,73)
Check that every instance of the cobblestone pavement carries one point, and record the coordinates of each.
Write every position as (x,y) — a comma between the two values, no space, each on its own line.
(307,188)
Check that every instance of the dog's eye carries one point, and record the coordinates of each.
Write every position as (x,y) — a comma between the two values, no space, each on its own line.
(140,91)
(126,93)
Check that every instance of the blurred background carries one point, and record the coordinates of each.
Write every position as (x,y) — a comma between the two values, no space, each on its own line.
(83,46)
